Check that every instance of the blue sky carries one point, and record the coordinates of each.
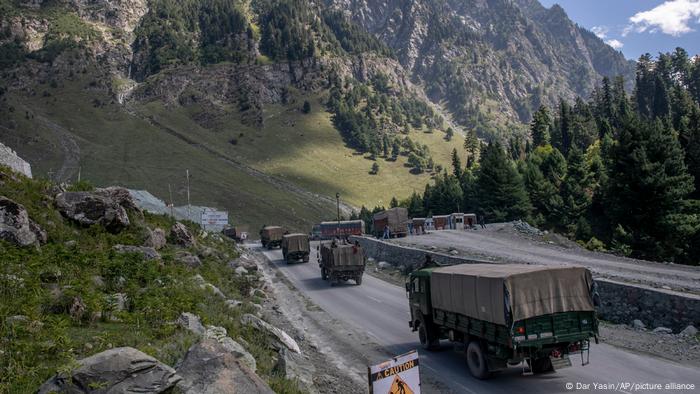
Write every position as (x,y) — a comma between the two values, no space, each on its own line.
(639,26)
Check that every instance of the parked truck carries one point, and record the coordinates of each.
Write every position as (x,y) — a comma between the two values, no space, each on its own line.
(295,247)
(390,223)
(506,314)
(341,262)
(271,236)
(341,229)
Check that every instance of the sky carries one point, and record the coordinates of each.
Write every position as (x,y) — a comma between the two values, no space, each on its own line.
(636,27)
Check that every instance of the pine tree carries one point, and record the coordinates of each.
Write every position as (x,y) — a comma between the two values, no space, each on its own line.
(501,192)
(648,183)
(393,203)
(456,164)
(449,134)
(375,168)
(575,190)
(306,107)
(539,127)
(471,144)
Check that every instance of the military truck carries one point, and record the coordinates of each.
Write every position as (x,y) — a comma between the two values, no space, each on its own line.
(295,247)
(391,223)
(341,262)
(271,236)
(506,314)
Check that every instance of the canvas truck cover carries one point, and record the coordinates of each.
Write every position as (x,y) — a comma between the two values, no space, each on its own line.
(478,290)
(395,218)
(273,232)
(342,255)
(296,242)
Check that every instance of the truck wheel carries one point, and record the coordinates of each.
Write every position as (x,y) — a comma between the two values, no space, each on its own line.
(427,338)
(476,361)
(324,275)
(358,280)
(542,365)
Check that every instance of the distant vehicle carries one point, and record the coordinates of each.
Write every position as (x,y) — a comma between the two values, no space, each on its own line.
(342,229)
(271,236)
(316,232)
(341,262)
(506,314)
(395,220)
(236,233)
(295,248)
(441,222)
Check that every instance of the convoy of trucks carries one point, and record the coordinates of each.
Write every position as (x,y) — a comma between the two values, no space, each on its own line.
(295,248)
(505,313)
(271,236)
(341,261)
(341,229)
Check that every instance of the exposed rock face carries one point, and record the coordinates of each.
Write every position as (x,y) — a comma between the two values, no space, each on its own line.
(16,227)
(266,327)
(119,370)
(146,252)
(120,196)
(191,322)
(180,235)
(209,368)
(220,335)
(155,239)
(88,208)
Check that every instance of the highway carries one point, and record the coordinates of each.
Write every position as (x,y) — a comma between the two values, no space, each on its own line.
(381,310)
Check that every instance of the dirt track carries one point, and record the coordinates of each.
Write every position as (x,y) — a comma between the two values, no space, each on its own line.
(502,243)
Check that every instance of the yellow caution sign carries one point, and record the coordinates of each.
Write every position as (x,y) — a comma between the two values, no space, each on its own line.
(399,386)
(400,375)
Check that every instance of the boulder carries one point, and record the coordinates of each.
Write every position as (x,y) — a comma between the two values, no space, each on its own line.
(261,325)
(241,271)
(382,265)
(294,366)
(207,286)
(88,209)
(210,368)
(180,235)
(16,227)
(155,239)
(244,261)
(638,324)
(689,331)
(233,304)
(118,370)
(187,259)
(191,322)
(662,330)
(146,252)
(119,195)
(220,335)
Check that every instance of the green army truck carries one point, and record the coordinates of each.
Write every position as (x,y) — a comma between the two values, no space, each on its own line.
(506,314)
(295,248)
(341,262)
(271,236)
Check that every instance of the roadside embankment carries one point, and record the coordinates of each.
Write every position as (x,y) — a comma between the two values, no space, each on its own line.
(621,302)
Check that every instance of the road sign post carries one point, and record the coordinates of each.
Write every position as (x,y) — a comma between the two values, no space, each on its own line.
(214,218)
(400,375)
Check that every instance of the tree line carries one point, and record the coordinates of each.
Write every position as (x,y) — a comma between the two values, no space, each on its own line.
(616,172)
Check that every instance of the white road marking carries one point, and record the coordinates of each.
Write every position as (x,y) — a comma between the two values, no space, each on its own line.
(375,299)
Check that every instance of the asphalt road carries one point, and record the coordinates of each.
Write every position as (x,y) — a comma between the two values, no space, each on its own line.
(381,310)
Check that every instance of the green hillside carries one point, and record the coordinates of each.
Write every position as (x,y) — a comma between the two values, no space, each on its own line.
(150,147)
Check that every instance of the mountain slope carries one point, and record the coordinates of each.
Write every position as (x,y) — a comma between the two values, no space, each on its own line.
(276,105)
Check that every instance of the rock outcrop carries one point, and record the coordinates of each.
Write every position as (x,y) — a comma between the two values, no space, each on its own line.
(119,370)
(209,368)
(180,235)
(187,259)
(88,208)
(263,326)
(16,227)
(155,239)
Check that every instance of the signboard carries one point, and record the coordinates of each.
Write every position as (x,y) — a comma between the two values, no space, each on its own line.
(214,218)
(399,375)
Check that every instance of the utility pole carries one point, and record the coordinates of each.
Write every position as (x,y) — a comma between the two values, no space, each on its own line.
(189,213)
(79,171)
(337,200)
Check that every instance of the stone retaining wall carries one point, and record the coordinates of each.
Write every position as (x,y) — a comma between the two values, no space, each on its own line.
(9,158)
(620,302)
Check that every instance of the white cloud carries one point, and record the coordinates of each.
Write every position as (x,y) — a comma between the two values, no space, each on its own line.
(671,17)
(615,43)
(600,31)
